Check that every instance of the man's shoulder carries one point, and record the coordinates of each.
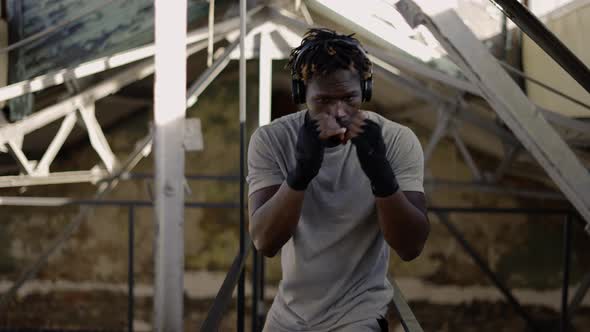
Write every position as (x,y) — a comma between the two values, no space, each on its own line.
(280,129)
(289,121)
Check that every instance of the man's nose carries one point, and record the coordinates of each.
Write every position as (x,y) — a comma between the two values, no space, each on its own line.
(338,109)
(340,113)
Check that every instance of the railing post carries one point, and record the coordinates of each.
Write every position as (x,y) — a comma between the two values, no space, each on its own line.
(255,288)
(484,267)
(130,263)
(567,237)
(242,81)
(261,310)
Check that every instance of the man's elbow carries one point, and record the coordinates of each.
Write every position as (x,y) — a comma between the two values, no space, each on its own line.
(413,251)
(262,244)
(409,255)
(265,249)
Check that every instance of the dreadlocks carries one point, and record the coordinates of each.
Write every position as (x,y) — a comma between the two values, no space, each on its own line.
(326,51)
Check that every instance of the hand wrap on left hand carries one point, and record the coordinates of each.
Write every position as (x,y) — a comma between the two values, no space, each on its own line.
(371,152)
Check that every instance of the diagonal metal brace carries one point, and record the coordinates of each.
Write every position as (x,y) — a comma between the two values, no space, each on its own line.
(509,102)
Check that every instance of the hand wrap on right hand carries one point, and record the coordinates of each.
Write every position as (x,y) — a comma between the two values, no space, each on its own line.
(309,154)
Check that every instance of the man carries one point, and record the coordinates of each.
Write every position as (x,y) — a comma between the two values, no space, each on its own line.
(332,186)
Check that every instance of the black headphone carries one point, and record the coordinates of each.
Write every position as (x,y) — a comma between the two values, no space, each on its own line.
(298,86)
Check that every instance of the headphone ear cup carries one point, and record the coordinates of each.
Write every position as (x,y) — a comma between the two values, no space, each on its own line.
(367,87)
(294,92)
(298,91)
(301,92)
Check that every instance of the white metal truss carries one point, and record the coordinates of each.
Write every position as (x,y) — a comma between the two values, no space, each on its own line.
(64,130)
(513,107)
(92,67)
(281,31)
(82,106)
(96,135)
(96,175)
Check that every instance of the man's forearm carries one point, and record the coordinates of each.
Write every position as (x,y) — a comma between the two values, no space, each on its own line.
(273,223)
(404,226)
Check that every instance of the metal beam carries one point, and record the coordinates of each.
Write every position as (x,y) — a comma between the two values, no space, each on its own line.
(68,107)
(14,148)
(513,107)
(306,14)
(96,136)
(418,89)
(404,312)
(511,153)
(265,85)
(440,184)
(245,243)
(433,74)
(484,267)
(410,84)
(109,62)
(444,122)
(96,92)
(58,141)
(465,153)
(405,65)
(91,176)
(538,32)
(579,296)
(209,75)
(169,115)
(544,85)
(59,110)
(211,32)
(567,258)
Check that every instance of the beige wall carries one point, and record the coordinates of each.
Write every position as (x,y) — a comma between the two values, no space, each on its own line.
(573,29)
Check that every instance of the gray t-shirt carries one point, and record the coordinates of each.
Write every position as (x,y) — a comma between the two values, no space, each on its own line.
(334,267)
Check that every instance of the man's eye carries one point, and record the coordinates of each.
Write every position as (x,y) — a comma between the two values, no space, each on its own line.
(323,100)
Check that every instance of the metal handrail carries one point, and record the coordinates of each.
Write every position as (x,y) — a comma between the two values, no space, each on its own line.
(224,296)
(406,316)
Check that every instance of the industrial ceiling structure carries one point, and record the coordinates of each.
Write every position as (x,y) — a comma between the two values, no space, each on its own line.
(451,84)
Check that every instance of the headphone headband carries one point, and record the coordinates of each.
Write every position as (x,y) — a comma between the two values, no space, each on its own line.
(306,47)
(298,85)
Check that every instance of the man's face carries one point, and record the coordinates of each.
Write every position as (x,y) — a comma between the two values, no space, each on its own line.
(337,94)
(334,100)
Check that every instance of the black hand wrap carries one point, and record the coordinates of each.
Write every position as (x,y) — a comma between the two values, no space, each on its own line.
(371,151)
(309,154)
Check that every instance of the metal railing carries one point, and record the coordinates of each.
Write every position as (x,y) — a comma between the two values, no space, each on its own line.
(409,322)
(405,314)
(569,215)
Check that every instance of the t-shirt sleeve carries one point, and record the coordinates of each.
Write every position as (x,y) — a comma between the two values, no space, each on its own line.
(407,160)
(263,169)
